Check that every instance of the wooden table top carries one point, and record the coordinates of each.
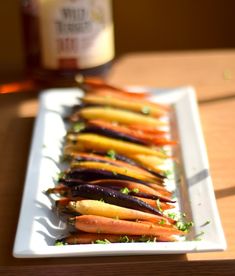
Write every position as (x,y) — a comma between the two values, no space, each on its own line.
(212,73)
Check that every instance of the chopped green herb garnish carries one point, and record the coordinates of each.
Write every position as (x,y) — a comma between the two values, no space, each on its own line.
(206,223)
(124,239)
(105,241)
(162,221)
(111,154)
(77,127)
(125,191)
(163,151)
(184,226)
(147,239)
(172,215)
(198,236)
(146,110)
(168,173)
(60,175)
(136,190)
(59,243)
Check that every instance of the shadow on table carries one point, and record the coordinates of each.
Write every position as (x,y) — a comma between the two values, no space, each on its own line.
(225,192)
(229,96)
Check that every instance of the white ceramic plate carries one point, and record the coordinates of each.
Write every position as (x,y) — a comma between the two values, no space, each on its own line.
(38,226)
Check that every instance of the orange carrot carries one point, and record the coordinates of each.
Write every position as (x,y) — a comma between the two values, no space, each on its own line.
(128,95)
(87,238)
(60,189)
(163,206)
(90,141)
(155,139)
(160,189)
(96,85)
(148,129)
(97,224)
(114,169)
(142,106)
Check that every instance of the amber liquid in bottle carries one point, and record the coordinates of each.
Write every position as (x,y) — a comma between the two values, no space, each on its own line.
(63,38)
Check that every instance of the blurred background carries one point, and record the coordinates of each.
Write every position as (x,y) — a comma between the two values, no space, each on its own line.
(140,25)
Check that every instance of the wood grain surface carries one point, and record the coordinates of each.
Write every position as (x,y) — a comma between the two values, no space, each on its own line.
(212,73)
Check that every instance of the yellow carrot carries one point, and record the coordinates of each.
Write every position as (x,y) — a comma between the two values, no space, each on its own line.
(90,141)
(99,208)
(133,105)
(150,162)
(118,115)
(114,169)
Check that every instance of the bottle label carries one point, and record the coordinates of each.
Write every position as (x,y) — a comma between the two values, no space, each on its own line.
(75,34)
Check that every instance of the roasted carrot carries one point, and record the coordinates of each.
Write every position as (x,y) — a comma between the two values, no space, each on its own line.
(60,189)
(114,169)
(88,238)
(99,208)
(97,224)
(148,129)
(90,141)
(84,156)
(132,186)
(153,163)
(144,107)
(160,189)
(114,197)
(161,206)
(126,133)
(118,115)
(127,95)
(95,84)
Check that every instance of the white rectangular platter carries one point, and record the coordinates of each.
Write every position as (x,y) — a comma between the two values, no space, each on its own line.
(39,227)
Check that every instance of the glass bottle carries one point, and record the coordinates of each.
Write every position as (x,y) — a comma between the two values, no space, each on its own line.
(65,37)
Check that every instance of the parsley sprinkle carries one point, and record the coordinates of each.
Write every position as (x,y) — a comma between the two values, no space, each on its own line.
(184,226)
(198,236)
(168,173)
(105,241)
(172,215)
(206,223)
(125,191)
(59,176)
(111,154)
(146,110)
(79,126)
(124,239)
(59,243)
